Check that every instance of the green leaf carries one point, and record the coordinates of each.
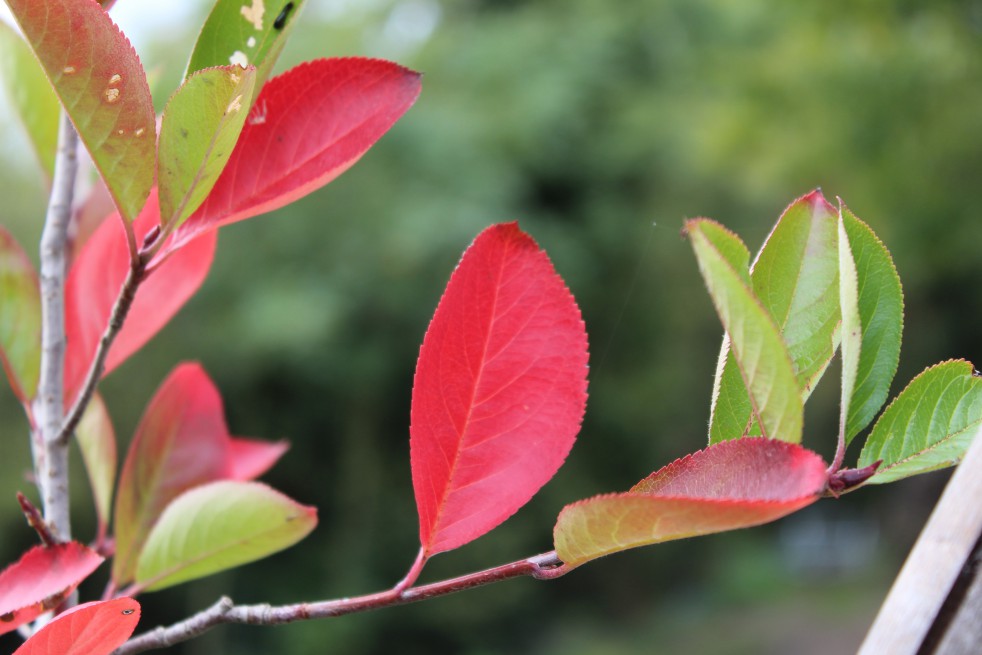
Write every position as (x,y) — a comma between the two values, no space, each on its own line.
(33,98)
(97,441)
(929,426)
(758,348)
(881,314)
(201,124)
(795,277)
(101,84)
(219,526)
(245,32)
(20,318)
(852,329)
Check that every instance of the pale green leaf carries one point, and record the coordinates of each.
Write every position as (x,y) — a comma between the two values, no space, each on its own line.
(881,314)
(852,330)
(97,441)
(20,318)
(219,526)
(31,96)
(201,124)
(795,277)
(245,32)
(929,426)
(756,343)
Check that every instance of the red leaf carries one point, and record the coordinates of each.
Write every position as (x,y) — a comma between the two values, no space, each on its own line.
(249,458)
(41,579)
(96,628)
(307,127)
(500,389)
(94,283)
(732,484)
(182,442)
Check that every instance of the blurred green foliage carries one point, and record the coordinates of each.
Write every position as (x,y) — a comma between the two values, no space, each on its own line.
(599,126)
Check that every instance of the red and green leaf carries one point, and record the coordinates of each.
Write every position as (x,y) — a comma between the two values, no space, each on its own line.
(41,579)
(20,318)
(499,392)
(730,485)
(96,628)
(101,84)
(97,441)
(182,442)
(307,127)
(94,282)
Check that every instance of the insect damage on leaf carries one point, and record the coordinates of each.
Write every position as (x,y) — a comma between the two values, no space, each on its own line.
(280,21)
(254,14)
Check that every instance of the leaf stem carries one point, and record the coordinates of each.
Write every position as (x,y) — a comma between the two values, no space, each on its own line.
(541,567)
(49,451)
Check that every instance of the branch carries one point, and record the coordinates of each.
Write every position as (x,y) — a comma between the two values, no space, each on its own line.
(541,567)
(50,454)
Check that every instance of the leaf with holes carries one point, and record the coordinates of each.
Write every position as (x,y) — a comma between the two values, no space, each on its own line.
(219,526)
(182,442)
(730,485)
(249,35)
(499,392)
(308,126)
(929,426)
(96,628)
(756,342)
(795,277)
(41,579)
(33,99)
(880,303)
(20,318)
(94,282)
(201,124)
(97,441)
(101,83)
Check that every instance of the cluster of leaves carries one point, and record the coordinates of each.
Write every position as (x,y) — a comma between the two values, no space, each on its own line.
(500,386)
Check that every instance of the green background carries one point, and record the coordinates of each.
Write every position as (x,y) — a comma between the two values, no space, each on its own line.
(599,126)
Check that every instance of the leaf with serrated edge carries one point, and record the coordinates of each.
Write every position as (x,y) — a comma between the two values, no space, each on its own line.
(730,485)
(307,127)
(20,318)
(499,391)
(219,526)
(929,426)
(101,83)
(852,329)
(31,95)
(881,314)
(95,279)
(756,342)
(41,580)
(96,628)
(201,124)
(239,33)
(97,441)
(795,278)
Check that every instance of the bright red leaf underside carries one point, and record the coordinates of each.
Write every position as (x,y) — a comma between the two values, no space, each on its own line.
(94,282)
(499,392)
(41,580)
(91,629)
(307,126)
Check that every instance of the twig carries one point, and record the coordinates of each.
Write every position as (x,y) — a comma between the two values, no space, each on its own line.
(50,454)
(35,520)
(541,567)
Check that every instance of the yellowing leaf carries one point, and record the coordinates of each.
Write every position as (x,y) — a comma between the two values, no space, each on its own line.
(219,526)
